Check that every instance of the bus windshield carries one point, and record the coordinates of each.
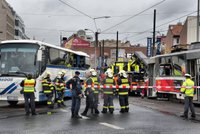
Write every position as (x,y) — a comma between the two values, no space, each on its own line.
(18,59)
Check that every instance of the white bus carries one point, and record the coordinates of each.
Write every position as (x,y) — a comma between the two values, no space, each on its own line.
(20,57)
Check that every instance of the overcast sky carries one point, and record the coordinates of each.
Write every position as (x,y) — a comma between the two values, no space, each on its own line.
(46,20)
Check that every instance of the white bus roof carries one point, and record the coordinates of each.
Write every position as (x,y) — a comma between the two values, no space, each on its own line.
(46,44)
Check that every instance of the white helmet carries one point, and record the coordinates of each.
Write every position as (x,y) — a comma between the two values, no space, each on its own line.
(63,72)
(93,72)
(60,73)
(123,73)
(109,73)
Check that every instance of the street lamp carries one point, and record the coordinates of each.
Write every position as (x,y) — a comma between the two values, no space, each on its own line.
(96,35)
(95,51)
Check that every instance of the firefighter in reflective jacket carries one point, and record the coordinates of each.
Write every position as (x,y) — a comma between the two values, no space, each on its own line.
(108,93)
(28,90)
(189,92)
(63,91)
(123,92)
(96,90)
(59,88)
(48,89)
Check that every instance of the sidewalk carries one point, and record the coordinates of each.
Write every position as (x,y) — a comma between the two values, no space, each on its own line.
(167,107)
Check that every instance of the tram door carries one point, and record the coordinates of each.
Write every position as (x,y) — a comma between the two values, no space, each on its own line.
(194,70)
(198,79)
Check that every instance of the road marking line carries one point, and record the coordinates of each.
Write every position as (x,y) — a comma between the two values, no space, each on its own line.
(111,126)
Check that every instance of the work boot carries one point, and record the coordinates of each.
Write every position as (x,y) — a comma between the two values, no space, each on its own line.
(77,117)
(184,116)
(122,111)
(63,104)
(27,114)
(34,113)
(59,105)
(126,110)
(96,111)
(84,114)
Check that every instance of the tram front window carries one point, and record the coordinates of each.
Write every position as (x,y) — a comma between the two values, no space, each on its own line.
(165,70)
(18,58)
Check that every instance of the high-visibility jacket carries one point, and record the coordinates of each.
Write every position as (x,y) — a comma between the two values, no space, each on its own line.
(187,89)
(60,85)
(123,82)
(96,83)
(29,85)
(46,85)
(108,82)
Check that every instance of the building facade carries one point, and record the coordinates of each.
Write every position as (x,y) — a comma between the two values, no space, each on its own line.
(11,24)
(7,21)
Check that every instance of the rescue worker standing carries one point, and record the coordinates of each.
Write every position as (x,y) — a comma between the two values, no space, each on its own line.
(59,88)
(28,89)
(63,91)
(123,92)
(96,81)
(76,94)
(48,89)
(89,93)
(189,94)
(108,93)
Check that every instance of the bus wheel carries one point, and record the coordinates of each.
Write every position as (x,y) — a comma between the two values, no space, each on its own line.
(12,103)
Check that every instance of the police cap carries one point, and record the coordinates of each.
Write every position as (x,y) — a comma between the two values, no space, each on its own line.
(77,72)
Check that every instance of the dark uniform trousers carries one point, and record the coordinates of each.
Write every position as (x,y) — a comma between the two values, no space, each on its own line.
(108,103)
(189,104)
(49,99)
(89,103)
(76,102)
(29,97)
(96,102)
(123,101)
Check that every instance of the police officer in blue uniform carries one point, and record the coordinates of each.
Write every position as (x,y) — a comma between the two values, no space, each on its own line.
(76,94)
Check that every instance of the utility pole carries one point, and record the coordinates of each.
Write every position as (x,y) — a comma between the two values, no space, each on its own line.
(117,48)
(96,45)
(198,21)
(154,32)
(102,62)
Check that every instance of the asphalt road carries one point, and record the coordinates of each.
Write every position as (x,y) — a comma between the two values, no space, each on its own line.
(145,117)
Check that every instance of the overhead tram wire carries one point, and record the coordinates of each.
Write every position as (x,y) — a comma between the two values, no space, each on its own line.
(149,30)
(65,3)
(134,15)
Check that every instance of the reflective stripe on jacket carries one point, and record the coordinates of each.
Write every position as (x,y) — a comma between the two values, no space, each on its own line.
(29,86)
(47,86)
(188,90)
(95,81)
(124,91)
(108,82)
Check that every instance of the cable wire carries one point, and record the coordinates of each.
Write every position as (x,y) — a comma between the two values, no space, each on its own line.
(134,15)
(75,9)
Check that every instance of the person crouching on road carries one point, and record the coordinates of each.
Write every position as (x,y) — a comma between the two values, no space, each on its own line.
(76,94)
(123,92)
(189,94)
(48,89)
(89,93)
(108,93)
(28,89)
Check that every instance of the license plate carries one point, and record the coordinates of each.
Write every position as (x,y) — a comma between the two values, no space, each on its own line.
(12,98)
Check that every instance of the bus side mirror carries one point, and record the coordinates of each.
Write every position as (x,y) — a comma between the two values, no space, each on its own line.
(39,55)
